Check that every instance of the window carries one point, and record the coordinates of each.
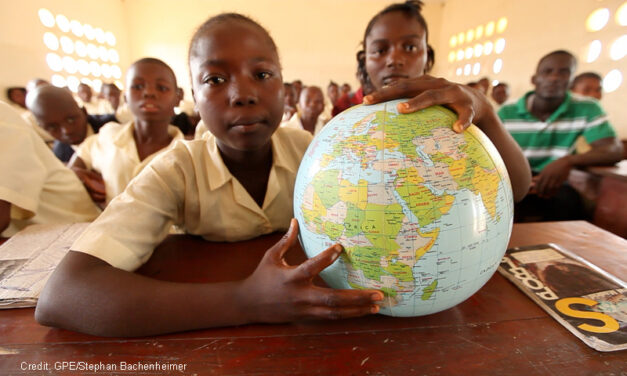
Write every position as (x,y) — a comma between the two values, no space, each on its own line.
(79,52)
(475,49)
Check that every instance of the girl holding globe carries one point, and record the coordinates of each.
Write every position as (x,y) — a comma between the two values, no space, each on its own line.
(233,184)
(395,59)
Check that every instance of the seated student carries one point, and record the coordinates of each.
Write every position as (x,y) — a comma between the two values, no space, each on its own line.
(588,84)
(235,183)
(346,100)
(395,57)
(499,95)
(289,108)
(17,97)
(310,107)
(30,118)
(333,93)
(119,151)
(35,187)
(484,85)
(297,86)
(546,123)
(57,113)
(93,105)
(185,118)
(112,94)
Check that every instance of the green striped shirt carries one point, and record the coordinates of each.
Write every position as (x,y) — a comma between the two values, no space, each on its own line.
(543,142)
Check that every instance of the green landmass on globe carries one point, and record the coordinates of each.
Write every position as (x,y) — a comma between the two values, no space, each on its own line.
(393,189)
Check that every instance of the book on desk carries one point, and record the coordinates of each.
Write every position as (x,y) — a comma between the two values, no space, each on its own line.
(28,259)
(586,300)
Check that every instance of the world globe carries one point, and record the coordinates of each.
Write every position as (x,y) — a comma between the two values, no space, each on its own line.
(424,214)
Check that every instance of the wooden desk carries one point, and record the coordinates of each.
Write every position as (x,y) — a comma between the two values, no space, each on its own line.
(497,331)
(605,189)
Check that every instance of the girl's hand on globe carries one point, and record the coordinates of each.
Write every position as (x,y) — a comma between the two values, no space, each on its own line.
(471,106)
(426,91)
(278,292)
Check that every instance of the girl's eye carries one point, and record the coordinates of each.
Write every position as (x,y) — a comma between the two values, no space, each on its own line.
(214,80)
(137,86)
(410,48)
(264,75)
(163,88)
(378,51)
(70,120)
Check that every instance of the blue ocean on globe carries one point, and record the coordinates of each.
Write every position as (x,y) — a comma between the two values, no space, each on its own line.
(423,213)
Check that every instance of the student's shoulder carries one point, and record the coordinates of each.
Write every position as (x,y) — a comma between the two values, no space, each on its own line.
(585,105)
(183,154)
(113,128)
(293,137)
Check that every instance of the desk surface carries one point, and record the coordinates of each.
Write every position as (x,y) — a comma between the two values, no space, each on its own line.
(496,331)
(618,171)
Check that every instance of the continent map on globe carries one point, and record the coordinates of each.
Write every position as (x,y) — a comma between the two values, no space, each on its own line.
(423,213)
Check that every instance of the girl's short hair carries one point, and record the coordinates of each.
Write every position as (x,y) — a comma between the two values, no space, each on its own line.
(226,17)
(412,9)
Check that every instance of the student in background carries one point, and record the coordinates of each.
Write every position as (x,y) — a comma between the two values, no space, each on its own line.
(333,92)
(35,187)
(310,107)
(112,94)
(395,59)
(297,86)
(588,84)
(57,113)
(500,94)
(119,151)
(30,118)
(289,109)
(236,183)
(484,85)
(17,97)
(546,123)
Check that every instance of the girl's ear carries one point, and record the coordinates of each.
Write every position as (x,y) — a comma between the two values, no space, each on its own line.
(430,58)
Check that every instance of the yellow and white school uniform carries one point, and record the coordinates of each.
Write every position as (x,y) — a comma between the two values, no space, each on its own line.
(30,119)
(295,122)
(38,186)
(201,129)
(191,187)
(113,153)
(123,113)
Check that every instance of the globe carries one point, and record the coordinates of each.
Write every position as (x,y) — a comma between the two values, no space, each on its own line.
(423,213)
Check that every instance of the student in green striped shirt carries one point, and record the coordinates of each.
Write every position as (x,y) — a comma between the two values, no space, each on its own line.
(546,123)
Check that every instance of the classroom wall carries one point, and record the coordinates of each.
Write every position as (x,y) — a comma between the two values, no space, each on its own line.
(319,41)
(535,27)
(22,51)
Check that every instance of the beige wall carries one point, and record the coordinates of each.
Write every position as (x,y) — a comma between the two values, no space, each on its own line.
(319,39)
(22,52)
(536,27)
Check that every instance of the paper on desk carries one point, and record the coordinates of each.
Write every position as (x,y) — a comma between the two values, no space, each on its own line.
(28,259)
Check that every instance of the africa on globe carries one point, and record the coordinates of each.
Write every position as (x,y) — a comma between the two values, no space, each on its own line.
(423,213)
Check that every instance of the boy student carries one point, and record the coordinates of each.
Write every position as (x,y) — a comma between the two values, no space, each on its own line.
(310,106)
(546,123)
(30,118)
(35,187)
(17,96)
(234,183)
(588,84)
(57,113)
(119,151)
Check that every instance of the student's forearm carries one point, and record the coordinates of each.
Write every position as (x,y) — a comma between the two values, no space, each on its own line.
(607,154)
(87,295)
(515,161)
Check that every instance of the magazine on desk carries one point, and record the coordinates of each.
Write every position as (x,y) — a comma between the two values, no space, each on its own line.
(586,300)
(28,259)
